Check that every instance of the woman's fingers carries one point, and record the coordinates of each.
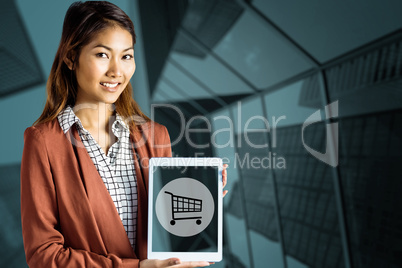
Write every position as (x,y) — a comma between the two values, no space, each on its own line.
(191,264)
(173,263)
(224,193)
(224,175)
(224,178)
(152,263)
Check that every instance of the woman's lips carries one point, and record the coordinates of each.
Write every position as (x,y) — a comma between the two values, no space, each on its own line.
(111,87)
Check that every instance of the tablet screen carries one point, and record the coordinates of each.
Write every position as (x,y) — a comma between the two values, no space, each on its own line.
(185,216)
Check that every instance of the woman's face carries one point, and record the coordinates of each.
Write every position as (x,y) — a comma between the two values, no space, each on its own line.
(105,66)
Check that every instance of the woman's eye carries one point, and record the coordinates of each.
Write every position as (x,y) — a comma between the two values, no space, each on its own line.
(101,55)
(127,57)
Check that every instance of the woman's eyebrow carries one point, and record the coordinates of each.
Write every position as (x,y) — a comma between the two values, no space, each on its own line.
(110,49)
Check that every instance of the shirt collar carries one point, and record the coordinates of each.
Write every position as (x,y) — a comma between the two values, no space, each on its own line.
(67,118)
(120,121)
(119,127)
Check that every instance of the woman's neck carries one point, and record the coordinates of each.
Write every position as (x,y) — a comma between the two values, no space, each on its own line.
(94,116)
(97,119)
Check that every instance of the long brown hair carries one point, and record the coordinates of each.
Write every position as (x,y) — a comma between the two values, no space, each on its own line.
(81,23)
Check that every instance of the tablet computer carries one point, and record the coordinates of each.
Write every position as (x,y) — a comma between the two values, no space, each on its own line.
(185,209)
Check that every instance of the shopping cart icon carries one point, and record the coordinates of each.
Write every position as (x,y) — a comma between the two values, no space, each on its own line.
(183,204)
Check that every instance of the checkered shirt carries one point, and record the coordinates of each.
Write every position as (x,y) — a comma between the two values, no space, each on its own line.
(116,168)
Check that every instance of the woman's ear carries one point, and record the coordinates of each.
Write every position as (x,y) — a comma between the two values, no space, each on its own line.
(69,60)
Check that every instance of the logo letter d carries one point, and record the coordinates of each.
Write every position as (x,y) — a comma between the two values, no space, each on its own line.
(331,151)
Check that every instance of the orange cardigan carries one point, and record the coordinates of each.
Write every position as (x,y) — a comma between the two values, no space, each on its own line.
(68,216)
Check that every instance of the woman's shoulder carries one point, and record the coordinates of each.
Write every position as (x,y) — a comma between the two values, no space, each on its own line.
(45,129)
(151,126)
(153,133)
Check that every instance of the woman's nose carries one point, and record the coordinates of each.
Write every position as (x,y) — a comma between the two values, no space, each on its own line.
(115,69)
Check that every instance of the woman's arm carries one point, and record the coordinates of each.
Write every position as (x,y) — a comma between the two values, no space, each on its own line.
(43,241)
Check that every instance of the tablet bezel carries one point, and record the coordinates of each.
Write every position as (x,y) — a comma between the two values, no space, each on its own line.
(193,162)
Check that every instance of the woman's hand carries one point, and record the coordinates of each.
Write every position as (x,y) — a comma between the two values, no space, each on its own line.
(172,262)
(224,178)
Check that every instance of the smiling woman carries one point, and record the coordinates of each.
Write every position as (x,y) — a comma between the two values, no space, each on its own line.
(87,28)
(104,67)
(84,170)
